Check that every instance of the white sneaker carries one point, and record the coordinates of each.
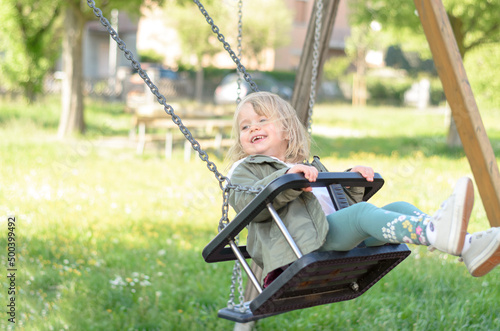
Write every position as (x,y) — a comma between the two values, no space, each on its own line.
(451,220)
(484,252)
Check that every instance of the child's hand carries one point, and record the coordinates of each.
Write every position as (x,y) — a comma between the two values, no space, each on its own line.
(310,173)
(366,172)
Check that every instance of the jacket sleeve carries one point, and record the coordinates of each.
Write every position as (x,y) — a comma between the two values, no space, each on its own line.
(245,175)
(354,194)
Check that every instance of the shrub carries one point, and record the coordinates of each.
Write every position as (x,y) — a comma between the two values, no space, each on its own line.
(387,90)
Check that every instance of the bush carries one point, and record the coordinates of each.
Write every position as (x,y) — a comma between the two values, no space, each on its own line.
(387,90)
(150,56)
(437,94)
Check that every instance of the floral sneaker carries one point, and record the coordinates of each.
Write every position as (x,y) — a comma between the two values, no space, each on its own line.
(484,252)
(449,223)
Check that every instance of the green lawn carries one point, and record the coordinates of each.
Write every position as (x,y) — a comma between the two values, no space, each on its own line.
(109,240)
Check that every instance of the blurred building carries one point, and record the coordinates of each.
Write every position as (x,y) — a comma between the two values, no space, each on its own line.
(151,33)
(98,49)
(287,58)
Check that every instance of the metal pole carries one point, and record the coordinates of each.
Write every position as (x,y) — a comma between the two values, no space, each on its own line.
(245,266)
(284,230)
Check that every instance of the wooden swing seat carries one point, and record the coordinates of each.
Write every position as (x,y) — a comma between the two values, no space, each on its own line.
(316,278)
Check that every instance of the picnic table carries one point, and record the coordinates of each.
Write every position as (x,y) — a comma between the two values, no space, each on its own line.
(208,131)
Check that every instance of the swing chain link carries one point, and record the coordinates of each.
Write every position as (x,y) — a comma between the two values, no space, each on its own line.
(240,38)
(237,276)
(315,62)
(240,289)
(227,47)
(234,277)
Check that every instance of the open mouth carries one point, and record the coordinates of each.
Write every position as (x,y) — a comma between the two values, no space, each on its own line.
(257,138)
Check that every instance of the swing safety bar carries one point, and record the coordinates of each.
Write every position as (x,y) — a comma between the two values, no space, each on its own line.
(245,265)
(284,230)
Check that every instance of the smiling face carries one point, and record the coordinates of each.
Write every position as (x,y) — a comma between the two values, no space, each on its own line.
(260,135)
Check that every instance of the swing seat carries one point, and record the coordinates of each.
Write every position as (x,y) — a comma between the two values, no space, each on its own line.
(316,278)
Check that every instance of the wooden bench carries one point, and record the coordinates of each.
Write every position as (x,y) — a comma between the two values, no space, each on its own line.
(209,132)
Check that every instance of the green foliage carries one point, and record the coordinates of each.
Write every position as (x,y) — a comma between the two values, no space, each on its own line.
(282,75)
(394,57)
(265,25)
(30,43)
(195,34)
(387,91)
(483,71)
(437,96)
(475,26)
(335,67)
(150,56)
(30,38)
(474,22)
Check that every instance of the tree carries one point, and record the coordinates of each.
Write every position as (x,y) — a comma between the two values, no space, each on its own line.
(76,14)
(474,23)
(30,34)
(196,36)
(266,25)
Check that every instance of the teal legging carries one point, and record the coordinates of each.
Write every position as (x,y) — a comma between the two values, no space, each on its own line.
(398,222)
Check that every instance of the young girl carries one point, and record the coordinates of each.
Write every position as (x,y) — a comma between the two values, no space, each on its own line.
(271,141)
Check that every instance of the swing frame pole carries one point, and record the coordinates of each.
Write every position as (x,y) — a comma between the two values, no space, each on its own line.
(464,109)
(302,87)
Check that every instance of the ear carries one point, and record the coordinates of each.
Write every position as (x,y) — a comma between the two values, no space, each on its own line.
(286,135)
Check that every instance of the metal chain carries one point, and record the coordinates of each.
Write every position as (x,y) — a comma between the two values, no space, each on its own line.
(176,119)
(240,37)
(161,99)
(227,47)
(237,267)
(240,289)
(234,277)
(315,62)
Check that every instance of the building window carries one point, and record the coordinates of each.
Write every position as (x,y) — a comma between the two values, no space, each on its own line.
(300,11)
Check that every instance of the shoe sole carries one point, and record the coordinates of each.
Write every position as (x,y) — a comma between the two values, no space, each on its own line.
(457,235)
(487,260)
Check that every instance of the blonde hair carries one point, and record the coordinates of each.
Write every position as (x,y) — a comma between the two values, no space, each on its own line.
(275,108)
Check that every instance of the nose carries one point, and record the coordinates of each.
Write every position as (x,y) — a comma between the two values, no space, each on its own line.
(254,127)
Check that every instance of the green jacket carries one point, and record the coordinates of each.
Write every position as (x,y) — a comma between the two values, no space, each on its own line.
(300,211)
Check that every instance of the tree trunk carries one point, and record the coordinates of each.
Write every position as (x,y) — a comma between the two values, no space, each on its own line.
(72,119)
(453,139)
(359,92)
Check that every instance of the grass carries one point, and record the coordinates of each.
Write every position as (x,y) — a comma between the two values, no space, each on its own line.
(108,240)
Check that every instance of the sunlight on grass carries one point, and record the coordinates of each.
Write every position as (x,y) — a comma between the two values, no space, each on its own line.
(109,240)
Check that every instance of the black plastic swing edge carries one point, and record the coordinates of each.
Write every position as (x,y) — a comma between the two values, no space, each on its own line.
(216,250)
(304,283)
